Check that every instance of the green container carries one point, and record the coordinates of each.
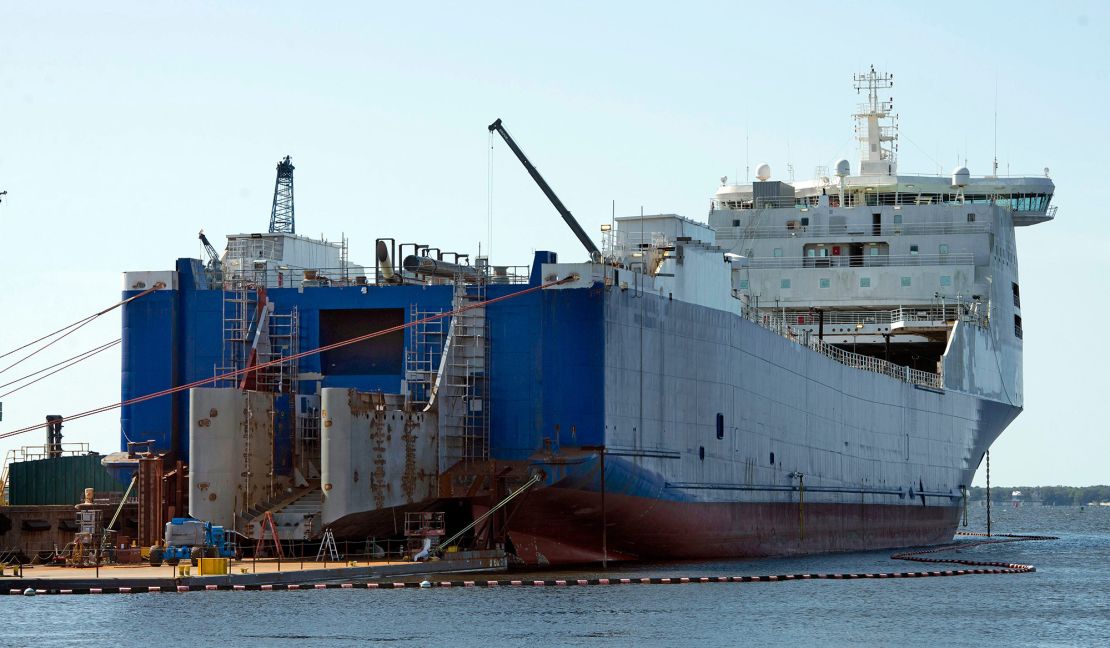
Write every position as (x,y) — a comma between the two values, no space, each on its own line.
(61,480)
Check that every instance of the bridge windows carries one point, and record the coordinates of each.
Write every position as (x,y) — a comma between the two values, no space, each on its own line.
(1017,325)
(720,425)
(1017,296)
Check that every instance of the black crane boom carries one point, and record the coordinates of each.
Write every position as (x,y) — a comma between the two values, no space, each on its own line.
(595,254)
(213,256)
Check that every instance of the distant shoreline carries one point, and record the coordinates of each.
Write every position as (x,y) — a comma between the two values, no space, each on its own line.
(1047,495)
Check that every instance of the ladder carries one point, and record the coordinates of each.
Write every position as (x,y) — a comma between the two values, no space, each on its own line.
(282,343)
(327,543)
(268,523)
(467,379)
(239,308)
(423,356)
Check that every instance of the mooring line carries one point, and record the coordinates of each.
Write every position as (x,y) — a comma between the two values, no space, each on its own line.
(296,356)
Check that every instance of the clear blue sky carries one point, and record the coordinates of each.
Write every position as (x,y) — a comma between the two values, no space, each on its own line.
(124,131)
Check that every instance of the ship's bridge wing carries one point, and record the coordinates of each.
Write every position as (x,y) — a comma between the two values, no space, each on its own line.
(1028,197)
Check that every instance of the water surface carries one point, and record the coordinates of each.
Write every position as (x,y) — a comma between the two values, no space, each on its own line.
(1065,603)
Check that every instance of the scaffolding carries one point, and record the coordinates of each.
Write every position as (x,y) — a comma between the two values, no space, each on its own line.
(422,356)
(466,420)
(245,319)
(240,304)
(308,437)
(280,378)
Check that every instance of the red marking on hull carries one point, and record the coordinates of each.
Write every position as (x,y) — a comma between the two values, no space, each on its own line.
(563,526)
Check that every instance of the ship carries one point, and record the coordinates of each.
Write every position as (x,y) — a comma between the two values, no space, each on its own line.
(819,366)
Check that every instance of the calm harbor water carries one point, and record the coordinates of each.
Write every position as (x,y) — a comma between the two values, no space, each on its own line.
(1065,603)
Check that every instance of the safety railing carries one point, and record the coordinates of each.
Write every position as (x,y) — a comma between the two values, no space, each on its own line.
(863,261)
(782,326)
(851,229)
(956,309)
(33,453)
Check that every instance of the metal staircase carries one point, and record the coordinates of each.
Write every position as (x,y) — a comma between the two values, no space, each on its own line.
(296,515)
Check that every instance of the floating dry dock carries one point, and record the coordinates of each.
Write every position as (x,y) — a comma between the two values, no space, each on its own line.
(127,578)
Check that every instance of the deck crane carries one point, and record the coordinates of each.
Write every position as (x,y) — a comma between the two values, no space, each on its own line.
(214,263)
(595,254)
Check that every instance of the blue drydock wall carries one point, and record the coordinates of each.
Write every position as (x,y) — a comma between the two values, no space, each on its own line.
(546,375)
(149,364)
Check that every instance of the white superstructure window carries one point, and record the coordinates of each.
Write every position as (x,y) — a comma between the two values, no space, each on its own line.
(943,248)
(913,250)
(824,283)
(865,282)
(905,282)
(785,283)
(777,252)
(945,280)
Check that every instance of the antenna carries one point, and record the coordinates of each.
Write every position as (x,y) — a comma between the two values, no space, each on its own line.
(995,173)
(281,214)
(789,165)
(747,156)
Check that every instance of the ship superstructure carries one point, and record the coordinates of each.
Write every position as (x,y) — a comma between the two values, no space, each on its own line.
(819,367)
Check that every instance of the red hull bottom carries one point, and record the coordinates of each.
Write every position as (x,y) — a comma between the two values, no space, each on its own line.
(563,526)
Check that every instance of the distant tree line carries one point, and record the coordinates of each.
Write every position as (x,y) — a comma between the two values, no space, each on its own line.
(1047,495)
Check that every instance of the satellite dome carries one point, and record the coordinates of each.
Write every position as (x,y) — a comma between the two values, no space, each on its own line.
(843,168)
(960,177)
(763,172)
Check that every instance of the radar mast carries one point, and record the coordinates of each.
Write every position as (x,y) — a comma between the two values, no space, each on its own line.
(876,125)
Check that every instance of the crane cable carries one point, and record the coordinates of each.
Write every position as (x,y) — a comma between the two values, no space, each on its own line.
(68,362)
(72,328)
(296,356)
